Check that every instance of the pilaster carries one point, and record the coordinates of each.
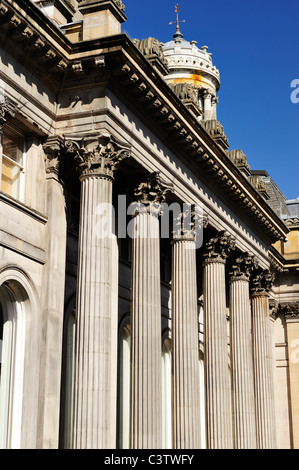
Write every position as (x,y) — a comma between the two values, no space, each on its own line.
(218,387)
(97,156)
(52,300)
(146,385)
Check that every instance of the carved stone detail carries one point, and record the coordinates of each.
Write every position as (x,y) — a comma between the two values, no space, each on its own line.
(262,281)
(52,149)
(289,309)
(240,160)
(96,154)
(7,111)
(259,184)
(219,247)
(216,130)
(151,193)
(243,266)
(150,46)
(185,224)
(152,50)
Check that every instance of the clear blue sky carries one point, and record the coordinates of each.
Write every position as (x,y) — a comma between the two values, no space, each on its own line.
(255,46)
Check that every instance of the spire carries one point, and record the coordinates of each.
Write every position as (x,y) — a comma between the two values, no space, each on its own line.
(177,22)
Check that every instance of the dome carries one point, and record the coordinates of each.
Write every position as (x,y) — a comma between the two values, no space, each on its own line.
(189,64)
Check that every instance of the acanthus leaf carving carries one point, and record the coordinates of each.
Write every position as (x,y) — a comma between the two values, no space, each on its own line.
(96,154)
(262,281)
(151,193)
(52,150)
(7,110)
(243,266)
(219,247)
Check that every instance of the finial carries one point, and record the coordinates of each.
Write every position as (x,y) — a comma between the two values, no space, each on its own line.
(177,22)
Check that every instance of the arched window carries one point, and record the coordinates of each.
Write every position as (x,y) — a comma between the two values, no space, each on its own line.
(12,330)
(124,378)
(166,395)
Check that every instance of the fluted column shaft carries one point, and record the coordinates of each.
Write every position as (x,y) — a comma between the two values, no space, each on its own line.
(94,316)
(146,347)
(218,386)
(263,371)
(97,156)
(218,393)
(146,379)
(241,364)
(186,429)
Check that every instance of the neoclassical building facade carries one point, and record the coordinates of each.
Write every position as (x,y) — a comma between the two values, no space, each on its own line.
(149,291)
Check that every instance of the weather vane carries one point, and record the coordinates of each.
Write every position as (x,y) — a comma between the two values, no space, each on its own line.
(177,19)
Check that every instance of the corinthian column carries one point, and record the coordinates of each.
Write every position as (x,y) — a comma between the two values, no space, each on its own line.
(97,157)
(262,360)
(146,385)
(218,386)
(185,370)
(241,353)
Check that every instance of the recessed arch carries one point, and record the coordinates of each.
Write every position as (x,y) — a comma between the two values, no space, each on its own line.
(20,368)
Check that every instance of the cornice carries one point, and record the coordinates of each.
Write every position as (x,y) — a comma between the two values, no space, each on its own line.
(117,62)
(282,265)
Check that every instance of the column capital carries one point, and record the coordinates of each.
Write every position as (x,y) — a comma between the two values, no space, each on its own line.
(218,248)
(7,111)
(150,194)
(96,154)
(186,222)
(52,150)
(262,281)
(242,267)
